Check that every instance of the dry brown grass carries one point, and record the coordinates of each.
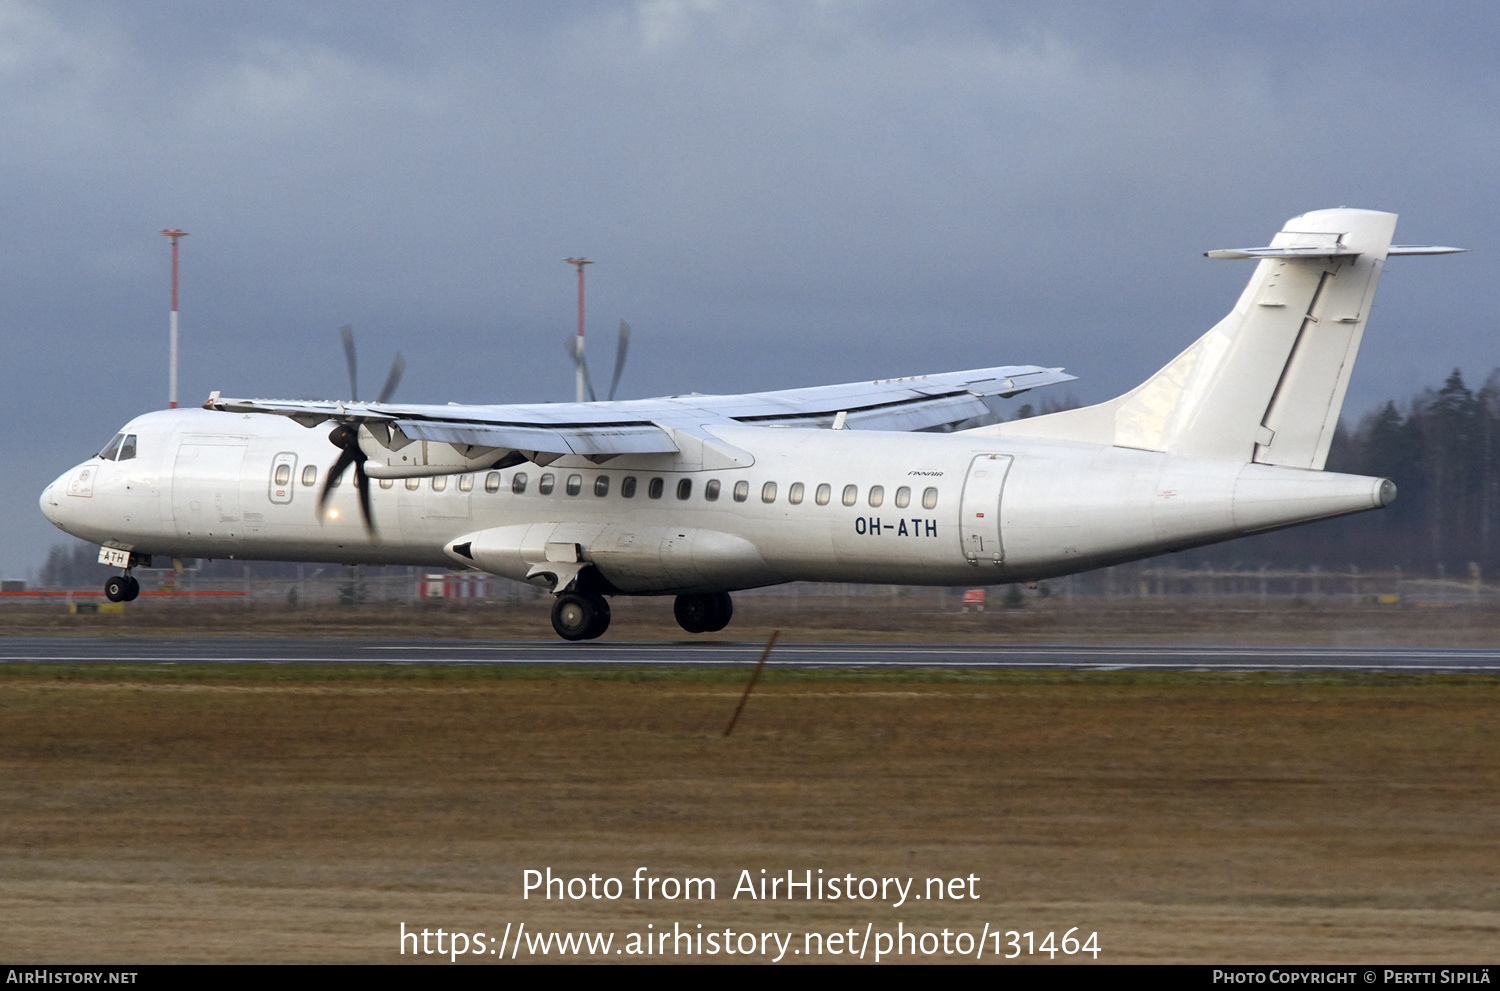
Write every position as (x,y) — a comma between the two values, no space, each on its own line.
(250,817)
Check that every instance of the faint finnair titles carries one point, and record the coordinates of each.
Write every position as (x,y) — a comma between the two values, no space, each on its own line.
(697,496)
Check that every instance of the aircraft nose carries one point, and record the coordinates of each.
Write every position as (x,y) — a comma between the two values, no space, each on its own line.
(49,500)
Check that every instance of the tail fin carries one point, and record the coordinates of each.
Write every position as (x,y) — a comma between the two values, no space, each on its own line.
(1267,382)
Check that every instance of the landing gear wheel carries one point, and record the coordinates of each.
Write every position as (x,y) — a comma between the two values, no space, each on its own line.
(707,612)
(580,616)
(117,589)
(132,588)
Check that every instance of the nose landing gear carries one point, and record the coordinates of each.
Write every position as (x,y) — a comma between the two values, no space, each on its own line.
(707,612)
(122,588)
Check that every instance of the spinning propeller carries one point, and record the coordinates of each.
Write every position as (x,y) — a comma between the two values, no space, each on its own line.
(345,436)
(574,347)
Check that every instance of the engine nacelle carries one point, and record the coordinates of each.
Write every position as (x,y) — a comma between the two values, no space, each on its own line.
(402,457)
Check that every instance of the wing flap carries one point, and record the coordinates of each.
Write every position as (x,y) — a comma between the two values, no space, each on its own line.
(588,440)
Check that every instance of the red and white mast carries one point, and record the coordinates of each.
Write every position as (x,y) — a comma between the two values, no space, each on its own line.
(578,263)
(175,235)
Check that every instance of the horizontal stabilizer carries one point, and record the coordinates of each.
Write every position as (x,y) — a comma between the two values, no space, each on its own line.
(1423,249)
(1330,251)
(1310,251)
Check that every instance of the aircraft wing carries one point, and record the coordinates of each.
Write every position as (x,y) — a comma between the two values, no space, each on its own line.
(644,426)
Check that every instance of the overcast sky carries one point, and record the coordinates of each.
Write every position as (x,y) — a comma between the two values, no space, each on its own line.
(775,194)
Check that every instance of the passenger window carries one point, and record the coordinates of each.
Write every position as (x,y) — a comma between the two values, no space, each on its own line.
(794,494)
(127,449)
(518,483)
(903,497)
(575,484)
(412,484)
(546,483)
(439,482)
(112,448)
(711,490)
(466,483)
(601,486)
(929,499)
(310,475)
(768,492)
(386,483)
(741,491)
(684,488)
(851,495)
(825,491)
(627,487)
(283,474)
(654,490)
(877,496)
(492,482)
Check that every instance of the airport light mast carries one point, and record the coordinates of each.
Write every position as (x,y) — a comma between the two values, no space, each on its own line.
(175,235)
(577,263)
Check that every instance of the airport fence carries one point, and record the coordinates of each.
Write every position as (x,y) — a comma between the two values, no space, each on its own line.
(314,585)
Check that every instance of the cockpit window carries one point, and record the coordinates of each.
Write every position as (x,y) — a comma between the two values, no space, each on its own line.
(127,449)
(112,448)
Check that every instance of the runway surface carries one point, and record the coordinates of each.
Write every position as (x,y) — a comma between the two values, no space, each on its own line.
(99,650)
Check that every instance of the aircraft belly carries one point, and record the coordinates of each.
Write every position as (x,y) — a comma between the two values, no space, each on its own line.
(636,559)
(633,558)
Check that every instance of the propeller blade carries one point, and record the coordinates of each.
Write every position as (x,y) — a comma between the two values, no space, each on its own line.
(345,437)
(620,349)
(363,482)
(575,351)
(393,379)
(347,333)
(345,459)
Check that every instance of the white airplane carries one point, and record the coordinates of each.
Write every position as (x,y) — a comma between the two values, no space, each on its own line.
(699,496)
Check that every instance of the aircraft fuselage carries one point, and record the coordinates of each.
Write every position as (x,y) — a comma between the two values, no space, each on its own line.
(752,506)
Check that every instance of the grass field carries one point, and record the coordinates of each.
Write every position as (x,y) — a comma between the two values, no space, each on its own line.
(270,814)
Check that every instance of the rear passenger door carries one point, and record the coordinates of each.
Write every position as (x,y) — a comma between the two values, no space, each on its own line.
(979,516)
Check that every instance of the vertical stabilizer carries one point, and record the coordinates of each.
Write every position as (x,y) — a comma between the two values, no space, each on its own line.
(1267,382)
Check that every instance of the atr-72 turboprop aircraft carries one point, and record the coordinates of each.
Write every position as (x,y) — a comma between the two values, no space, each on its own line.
(698,496)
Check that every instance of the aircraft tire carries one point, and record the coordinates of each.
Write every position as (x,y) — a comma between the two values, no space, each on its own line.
(116,589)
(723,612)
(580,616)
(601,618)
(703,612)
(132,589)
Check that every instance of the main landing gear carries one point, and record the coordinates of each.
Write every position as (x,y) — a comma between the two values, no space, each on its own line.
(707,612)
(122,588)
(580,615)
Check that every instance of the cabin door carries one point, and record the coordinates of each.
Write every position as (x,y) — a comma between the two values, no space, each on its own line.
(979,516)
